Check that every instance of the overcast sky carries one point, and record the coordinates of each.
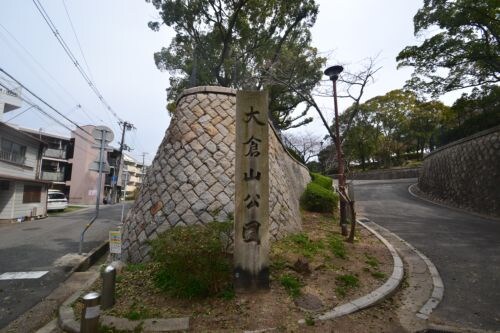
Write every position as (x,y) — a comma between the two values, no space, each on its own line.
(118,48)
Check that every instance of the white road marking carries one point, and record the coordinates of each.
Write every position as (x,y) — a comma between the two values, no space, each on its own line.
(22,275)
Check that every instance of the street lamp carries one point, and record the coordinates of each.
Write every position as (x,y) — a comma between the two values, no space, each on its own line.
(333,72)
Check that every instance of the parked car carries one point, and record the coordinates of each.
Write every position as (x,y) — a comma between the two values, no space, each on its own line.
(56,200)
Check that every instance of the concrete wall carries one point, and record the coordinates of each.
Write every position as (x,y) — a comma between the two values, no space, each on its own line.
(12,206)
(466,173)
(191,180)
(384,174)
(83,183)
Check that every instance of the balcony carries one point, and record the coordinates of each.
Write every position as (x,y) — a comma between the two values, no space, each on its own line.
(12,157)
(55,153)
(53,176)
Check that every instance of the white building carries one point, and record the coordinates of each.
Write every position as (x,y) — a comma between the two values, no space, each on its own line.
(133,171)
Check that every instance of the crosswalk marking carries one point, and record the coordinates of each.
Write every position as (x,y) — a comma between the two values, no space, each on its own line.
(22,275)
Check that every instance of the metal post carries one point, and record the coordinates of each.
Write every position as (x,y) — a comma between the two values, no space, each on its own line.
(333,72)
(340,161)
(124,196)
(99,181)
(108,287)
(90,313)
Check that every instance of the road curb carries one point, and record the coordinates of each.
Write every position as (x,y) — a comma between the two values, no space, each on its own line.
(438,286)
(376,296)
(69,323)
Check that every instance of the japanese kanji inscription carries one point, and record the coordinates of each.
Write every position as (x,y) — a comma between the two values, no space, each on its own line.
(251,192)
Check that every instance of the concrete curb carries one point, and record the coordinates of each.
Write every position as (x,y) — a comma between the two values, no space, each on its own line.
(438,286)
(68,322)
(375,296)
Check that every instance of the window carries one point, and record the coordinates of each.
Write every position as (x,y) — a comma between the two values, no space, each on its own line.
(32,193)
(12,151)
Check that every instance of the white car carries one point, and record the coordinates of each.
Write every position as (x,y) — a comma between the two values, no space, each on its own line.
(56,201)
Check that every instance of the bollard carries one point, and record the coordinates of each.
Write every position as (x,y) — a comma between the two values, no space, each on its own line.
(90,313)
(108,287)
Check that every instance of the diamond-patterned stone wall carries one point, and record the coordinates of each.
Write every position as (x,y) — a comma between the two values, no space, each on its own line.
(191,179)
(466,173)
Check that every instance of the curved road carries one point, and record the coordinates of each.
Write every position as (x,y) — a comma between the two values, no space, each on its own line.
(465,249)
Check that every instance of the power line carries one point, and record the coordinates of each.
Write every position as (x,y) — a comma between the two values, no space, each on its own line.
(45,71)
(43,101)
(70,54)
(76,37)
(17,115)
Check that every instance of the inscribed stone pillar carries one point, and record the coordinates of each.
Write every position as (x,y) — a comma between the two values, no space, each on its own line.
(251,237)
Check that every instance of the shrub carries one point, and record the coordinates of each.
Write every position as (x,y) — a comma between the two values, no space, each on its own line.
(322,181)
(318,199)
(193,260)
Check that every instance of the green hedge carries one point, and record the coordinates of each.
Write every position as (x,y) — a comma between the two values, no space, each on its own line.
(316,198)
(323,181)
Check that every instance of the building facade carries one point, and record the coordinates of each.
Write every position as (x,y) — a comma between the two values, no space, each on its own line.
(23,193)
(132,174)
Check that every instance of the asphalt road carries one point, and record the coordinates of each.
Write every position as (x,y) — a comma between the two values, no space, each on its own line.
(51,245)
(465,248)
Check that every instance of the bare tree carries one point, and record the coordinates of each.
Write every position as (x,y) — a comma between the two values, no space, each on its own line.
(306,144)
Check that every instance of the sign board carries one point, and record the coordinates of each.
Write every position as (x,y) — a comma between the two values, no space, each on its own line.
(103,132)
(94,166)
(251,237)
(115,241)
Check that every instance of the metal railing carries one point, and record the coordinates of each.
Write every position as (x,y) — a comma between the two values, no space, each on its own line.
(55,153)
(12,157)
(53,176)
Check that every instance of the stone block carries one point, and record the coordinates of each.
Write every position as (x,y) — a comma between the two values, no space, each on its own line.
(211,147)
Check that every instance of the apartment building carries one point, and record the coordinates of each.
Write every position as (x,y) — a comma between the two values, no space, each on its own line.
(66,165)
(23,194)
(133,173)
(57,157)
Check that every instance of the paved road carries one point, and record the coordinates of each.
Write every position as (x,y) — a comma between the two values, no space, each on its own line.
(45,245)
(465,248)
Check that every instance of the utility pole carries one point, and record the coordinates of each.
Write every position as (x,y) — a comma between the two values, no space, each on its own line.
(126,126)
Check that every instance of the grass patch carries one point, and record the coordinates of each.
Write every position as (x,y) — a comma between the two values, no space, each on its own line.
(139,312)
(345,283)
(379,275)
(68,209)
(309,320)
(371,261)
(291,284)
(302,244)
(337,247)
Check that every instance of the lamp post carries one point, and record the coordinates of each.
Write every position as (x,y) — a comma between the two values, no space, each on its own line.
(333,72)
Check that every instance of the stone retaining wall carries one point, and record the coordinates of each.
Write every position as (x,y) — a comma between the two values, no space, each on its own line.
(191,179)
(385,174)
(466,173)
